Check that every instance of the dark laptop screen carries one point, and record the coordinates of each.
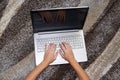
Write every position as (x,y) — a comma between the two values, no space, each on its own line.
(58,19)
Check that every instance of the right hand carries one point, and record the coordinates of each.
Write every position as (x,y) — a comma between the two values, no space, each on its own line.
(46,16)
(66,52)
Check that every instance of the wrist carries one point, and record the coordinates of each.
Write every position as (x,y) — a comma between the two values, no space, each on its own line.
(72,62)
(45,63)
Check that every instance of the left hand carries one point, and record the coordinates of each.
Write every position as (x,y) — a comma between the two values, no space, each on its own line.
(50,54)
(60,16)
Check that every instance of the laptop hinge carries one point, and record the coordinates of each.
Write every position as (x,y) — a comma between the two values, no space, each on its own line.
(62,31)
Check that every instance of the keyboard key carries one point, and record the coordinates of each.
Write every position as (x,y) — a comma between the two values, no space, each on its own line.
(74,40)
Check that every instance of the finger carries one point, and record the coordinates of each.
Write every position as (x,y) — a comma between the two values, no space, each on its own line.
(56,54)
(43,19)
(45,49)
(64,44)
(61,18)
(64,18)
(47,19)
(56,17)
(53,45)
(49,47)
(67,45)
(61,53)
(62,47)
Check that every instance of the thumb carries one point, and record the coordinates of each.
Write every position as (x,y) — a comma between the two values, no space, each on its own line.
(56,54)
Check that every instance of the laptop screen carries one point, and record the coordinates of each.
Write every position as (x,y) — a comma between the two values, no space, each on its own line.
(58,19)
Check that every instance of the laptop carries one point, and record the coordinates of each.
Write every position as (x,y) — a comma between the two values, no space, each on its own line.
(58,25)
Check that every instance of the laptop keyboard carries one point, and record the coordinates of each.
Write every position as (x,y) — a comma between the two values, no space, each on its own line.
(74,40)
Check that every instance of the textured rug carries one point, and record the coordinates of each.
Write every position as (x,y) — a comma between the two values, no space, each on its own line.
(102,31)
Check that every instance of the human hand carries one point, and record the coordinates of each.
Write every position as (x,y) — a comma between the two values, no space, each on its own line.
(66,52)
(60,16)
(46,16)
(50,54)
